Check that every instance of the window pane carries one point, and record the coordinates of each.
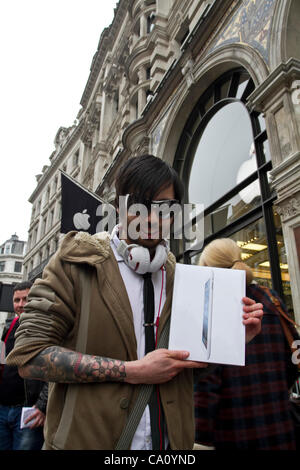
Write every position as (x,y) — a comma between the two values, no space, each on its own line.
(262,122)
(253,243)
(224,89)
(284,268)
(267,150)
(209,103)
(239,205)
(17,248)
(241,88)
(18,267)
(224,157)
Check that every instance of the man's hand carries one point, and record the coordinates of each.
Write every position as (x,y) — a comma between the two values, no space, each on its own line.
(37,418)
(159,366)
(252,317)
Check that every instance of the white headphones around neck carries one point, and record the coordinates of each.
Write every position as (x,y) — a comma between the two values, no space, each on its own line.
(137,257)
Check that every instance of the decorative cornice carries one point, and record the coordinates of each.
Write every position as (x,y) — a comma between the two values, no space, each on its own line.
(104,45)
(286,168)
(277,80)
(9,257)
(135,134)
(196,39)
(6,277)
(289,208)
(143,48)
(97,62)
(57,160)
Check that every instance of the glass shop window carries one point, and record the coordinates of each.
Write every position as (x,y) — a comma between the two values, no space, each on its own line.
(225,156)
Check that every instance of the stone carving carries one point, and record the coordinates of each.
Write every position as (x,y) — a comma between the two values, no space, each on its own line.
(289,209)
(89,128)
(61,137)
(92,121)
(187,72)
(142,147)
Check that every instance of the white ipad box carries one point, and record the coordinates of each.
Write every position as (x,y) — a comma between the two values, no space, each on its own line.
(27,411)
(207,312)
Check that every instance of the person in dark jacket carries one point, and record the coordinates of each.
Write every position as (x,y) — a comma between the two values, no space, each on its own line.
(248,408)
(16,393)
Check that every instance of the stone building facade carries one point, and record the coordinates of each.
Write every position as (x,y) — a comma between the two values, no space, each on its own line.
(12,253)
(212,87)
(44,230)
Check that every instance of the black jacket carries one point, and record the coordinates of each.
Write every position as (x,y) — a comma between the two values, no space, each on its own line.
(16,391)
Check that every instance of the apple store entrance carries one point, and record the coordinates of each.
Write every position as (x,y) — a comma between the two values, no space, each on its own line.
(223,157)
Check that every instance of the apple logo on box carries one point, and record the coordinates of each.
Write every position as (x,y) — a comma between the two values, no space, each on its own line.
(81,220)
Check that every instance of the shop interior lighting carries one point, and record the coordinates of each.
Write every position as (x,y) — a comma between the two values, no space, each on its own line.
(246,255)
(252,246)
(266,264)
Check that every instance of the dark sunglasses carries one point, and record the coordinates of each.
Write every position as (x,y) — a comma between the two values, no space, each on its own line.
(162,207)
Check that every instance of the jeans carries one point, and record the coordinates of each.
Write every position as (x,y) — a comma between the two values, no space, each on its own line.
(32,439)
(12,437)
(10,431)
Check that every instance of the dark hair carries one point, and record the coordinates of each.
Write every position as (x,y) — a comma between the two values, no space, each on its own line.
(146,175)
(22,285)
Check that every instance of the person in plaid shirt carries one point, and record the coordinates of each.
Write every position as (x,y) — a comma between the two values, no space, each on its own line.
(248,407)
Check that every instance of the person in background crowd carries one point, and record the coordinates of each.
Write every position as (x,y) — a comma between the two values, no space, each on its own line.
(16,392)
(248,407)
(92,323)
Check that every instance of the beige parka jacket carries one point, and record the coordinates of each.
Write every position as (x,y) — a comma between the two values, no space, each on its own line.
(92,416)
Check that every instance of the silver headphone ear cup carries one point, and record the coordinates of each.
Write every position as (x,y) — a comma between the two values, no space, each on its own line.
(159,259)
(139,259)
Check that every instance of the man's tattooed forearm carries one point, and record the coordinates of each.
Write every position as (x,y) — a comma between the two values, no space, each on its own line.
(56,364)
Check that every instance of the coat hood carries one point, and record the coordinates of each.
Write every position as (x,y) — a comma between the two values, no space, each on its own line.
(81,247)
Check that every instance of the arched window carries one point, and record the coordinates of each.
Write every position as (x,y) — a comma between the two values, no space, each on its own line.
(224,160)
(218,165)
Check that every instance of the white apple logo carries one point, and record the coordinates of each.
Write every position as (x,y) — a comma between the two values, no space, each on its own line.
(81,220)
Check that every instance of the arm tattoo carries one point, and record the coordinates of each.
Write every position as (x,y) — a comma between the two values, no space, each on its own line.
(57,364)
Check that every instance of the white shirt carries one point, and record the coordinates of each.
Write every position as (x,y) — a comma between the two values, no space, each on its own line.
(134,285)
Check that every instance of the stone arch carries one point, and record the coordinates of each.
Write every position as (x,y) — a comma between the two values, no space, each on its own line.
(218,62)
(293,31)
(285,32)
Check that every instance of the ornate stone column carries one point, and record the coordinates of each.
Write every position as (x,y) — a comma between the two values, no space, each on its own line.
(279,99)
(143,25)
(141,90)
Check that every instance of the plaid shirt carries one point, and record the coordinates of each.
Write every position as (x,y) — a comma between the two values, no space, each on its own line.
(248,407)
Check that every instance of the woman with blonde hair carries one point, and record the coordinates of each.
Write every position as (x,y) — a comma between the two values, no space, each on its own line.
(225,253)
(248,407)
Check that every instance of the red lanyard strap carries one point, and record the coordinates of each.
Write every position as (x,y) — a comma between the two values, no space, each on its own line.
(10,328)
